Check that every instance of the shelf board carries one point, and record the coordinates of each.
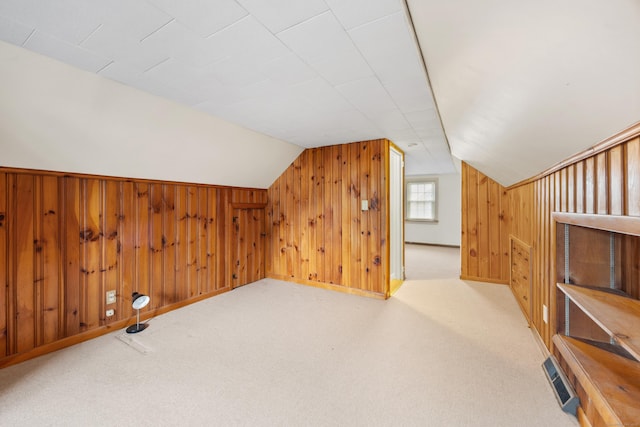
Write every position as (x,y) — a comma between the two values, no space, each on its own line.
(618,316)
(612,382)
(616,223)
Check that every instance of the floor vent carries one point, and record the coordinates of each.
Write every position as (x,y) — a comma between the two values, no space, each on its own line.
(564,392)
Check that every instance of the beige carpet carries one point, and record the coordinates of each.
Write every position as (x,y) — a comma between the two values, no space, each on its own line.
(431,262)
(440,353)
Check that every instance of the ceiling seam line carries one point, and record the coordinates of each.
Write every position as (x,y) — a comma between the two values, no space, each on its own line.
(426,71)
(28,37)
(156,30)
(90,34)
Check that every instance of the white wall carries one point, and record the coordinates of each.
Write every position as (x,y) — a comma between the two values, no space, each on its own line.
(57,117)
(446,231)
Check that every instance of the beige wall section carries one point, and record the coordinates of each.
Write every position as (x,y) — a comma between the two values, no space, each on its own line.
(57,117)
(446,231)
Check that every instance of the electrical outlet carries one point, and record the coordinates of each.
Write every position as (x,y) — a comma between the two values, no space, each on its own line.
(545,313)
(111,297)
(110,312)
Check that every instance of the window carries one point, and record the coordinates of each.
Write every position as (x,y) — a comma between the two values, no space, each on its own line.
(421,200)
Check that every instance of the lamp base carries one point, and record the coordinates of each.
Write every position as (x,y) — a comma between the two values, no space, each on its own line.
(138,327)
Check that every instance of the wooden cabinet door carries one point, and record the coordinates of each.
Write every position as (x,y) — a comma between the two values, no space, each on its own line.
(247,246)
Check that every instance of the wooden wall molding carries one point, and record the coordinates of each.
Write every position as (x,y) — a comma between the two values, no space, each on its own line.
(102,330)
(41,172)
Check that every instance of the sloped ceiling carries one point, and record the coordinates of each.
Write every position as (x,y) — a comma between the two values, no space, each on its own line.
(309,73)
(522,85)
(517,86)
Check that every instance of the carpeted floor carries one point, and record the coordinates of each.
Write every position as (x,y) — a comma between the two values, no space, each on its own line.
(441,352)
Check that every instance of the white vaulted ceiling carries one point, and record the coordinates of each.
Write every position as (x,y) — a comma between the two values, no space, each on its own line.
(311,73)
(522,85)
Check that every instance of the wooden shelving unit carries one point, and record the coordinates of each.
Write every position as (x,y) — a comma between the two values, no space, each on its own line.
(618,316)
(610,380)
(598,324)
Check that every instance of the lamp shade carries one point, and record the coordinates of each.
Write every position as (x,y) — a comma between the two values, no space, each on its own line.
(139,301)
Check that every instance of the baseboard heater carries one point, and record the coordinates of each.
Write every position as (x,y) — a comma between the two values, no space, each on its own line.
(565,394)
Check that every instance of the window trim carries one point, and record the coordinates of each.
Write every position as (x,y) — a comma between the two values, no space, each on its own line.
(420,180)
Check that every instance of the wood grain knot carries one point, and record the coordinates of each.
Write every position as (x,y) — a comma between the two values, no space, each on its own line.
(88,235)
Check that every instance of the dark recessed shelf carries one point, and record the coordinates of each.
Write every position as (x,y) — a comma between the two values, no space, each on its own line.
(617,315)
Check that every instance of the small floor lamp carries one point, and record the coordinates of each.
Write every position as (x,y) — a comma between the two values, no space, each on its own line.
(138,301)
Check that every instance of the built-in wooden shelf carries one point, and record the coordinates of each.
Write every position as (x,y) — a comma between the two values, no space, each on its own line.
(616,223)
(617,315)
(612,382)
(602,351)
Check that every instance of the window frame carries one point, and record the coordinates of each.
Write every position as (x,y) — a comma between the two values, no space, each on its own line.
(421,180)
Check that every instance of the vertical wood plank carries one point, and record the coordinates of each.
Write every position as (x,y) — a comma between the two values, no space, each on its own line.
(38,262)
(616,180)
(484,227)
(109,271)
(192,246)
(564,205)
(182,245)
(311,218)
(222,240)
(92,297)
(633,177)
(464,235)
(590,185)
(49,243)
(495,260)
(327,209)
(354,201)
(72,224)
(305,229)
(143,244)
(210,224)
(472,224)
(376,234)
(25,327)
(270,243)
(580,185)
(201,263)
(336,223)
(557,177)
(602,184)
(346,218)
(297,219)
(4,262)
(571,189)
(169,223)
(127,251)
(156,248)
(319,215)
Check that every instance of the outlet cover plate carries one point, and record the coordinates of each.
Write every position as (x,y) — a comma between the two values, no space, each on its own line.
(111,297)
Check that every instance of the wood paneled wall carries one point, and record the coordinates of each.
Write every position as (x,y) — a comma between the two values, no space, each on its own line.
(317,233)
(485,222)
(67,240)
(605,180)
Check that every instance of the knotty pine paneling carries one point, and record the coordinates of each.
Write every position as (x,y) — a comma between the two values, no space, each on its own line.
(4,264)
(485,235)
(67,240)
(317,233)
(607,182)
